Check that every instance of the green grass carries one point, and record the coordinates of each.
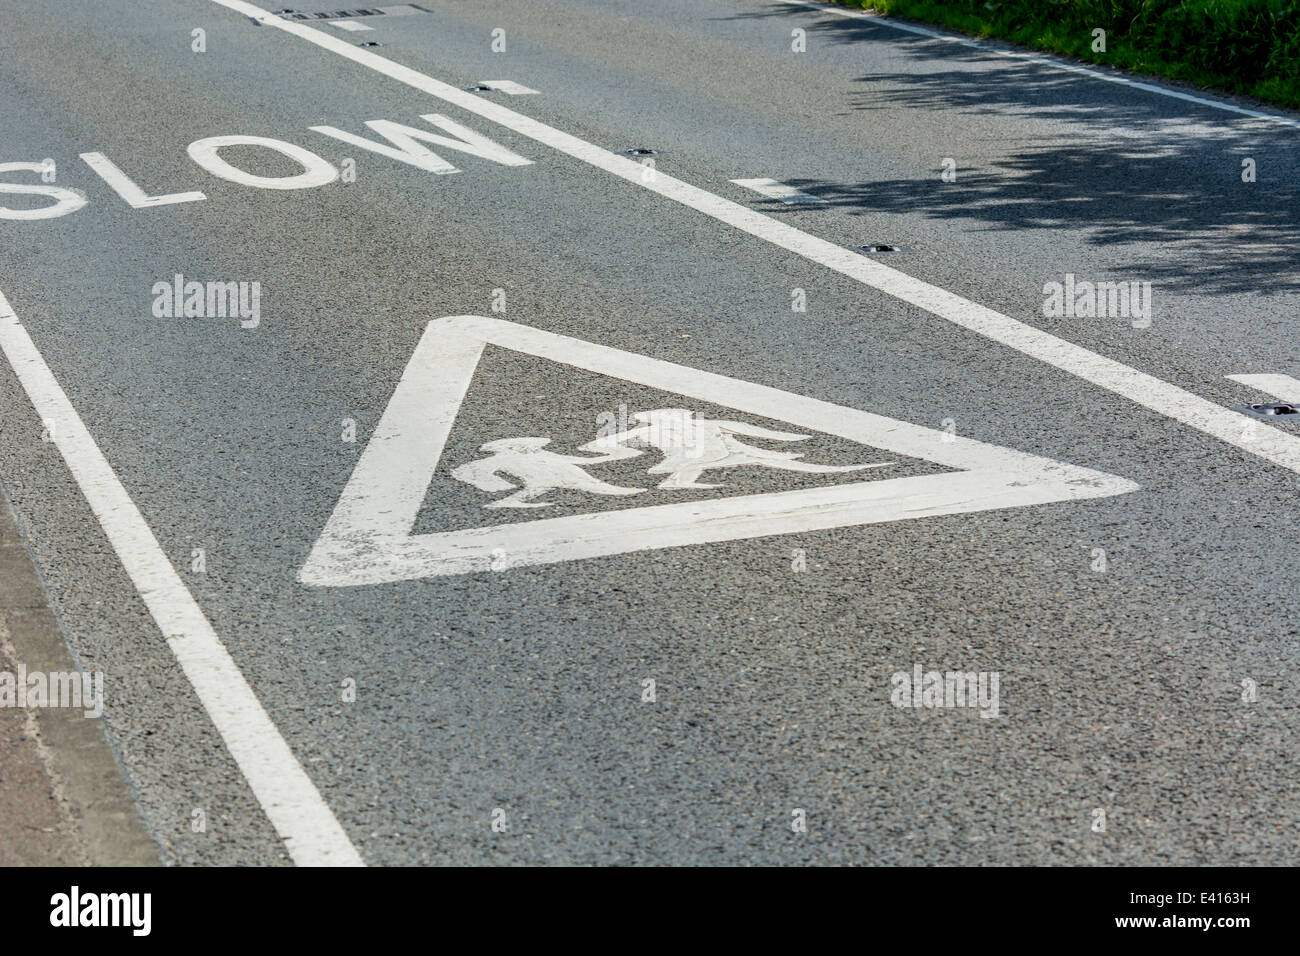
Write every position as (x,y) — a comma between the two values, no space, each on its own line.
(1242,46)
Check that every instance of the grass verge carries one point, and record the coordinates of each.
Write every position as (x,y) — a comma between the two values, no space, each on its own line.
(1250,47)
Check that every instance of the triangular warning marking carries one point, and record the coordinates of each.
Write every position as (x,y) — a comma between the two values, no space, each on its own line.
(368,538)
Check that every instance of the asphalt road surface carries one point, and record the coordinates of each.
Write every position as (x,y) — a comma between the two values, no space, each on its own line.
(666,615)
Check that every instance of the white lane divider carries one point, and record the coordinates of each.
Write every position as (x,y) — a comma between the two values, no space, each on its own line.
(1042,61)
(1148,391)
(1282,387)
(350,25)
(507,86)
(311,834)
(777,190)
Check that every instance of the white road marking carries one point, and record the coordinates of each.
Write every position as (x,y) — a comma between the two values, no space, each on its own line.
(66,200)
(777,190)
(1282,387)
(295,808)
(351,25)
(368,538)
(506,86)
(465,141)
(316,171)
(1041,61)
(1269,443)
(128,190)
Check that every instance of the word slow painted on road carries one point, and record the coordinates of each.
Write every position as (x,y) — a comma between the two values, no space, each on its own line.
(401,143)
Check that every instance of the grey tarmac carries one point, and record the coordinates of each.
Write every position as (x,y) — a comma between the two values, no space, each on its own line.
(1144,641)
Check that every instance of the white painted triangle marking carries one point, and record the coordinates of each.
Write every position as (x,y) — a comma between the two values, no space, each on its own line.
(368,538)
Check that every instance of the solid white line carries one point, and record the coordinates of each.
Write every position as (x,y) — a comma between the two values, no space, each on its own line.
(1282,387)
(1232,427)
(311,834)
(777,190)
(1042,61)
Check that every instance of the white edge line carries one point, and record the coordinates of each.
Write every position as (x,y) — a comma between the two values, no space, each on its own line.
(1041,60)
(1168,400)
(311,834)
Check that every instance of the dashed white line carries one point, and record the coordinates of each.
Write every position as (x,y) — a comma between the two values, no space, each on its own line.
(778,190)
(1283,387)
(350,25)
(311,834)
(1042,61)
(1148,391)
(507,86)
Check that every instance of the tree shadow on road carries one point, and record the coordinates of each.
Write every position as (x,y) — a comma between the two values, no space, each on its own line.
(1114,164)
(1206,239)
